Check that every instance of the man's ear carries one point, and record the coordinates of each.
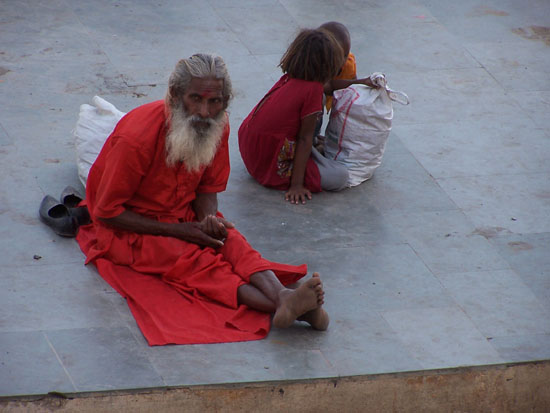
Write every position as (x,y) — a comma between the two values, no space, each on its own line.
(173,95)
(169,98)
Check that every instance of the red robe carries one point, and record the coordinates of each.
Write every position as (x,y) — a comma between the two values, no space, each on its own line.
(178,292)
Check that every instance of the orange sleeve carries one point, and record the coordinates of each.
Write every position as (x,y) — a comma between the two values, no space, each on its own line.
(349,71)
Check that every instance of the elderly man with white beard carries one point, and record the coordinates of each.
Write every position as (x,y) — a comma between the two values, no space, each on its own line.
(156,234)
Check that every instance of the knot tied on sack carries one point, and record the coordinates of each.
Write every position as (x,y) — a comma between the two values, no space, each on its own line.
(379,79)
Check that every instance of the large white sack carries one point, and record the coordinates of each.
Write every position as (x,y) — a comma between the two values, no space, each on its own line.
(94,125)
(359,126)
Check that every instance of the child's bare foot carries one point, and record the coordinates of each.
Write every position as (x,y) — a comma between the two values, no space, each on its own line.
(295,303)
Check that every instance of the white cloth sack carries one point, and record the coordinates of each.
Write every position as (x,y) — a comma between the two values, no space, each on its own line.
(359,126)
(95,124)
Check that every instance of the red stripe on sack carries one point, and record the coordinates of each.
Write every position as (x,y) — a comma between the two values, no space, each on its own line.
(352,101)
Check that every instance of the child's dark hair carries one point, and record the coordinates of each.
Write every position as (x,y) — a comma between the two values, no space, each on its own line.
(315,55)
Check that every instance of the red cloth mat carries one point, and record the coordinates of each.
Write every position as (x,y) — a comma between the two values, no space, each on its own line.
(169,316)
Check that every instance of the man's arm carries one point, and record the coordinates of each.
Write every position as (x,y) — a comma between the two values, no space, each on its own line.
(205,203)
(187,231)
(336,84)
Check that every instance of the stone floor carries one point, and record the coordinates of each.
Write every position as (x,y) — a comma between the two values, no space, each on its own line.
(441,260)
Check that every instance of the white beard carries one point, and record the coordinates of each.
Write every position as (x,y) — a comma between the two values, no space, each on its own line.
(194,147)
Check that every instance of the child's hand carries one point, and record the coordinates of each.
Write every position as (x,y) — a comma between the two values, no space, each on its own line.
(368,82)
(297,194)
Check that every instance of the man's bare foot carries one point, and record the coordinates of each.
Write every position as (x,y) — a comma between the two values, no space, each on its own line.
(318,318)
(295,303)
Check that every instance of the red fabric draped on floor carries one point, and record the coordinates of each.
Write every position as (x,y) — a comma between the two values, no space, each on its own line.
(170,309)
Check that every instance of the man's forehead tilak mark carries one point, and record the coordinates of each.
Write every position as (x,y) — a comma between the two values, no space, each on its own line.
(207,88)
(210,94)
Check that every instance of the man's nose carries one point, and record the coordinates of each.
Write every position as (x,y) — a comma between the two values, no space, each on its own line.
(204,111)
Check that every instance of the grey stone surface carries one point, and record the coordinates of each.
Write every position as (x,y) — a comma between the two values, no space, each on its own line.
(446,241)
(265,360)
(536,106)
(440,260)
(53,297)
(513,202)
(528,255)
(104,359)
(30,365)
(468,148)
(498,303)
(522,347)
(437,337)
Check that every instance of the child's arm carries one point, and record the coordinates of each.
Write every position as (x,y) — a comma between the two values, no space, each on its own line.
(336,84)
(297,192)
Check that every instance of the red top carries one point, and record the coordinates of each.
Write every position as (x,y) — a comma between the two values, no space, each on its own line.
(267,137)
(131,172)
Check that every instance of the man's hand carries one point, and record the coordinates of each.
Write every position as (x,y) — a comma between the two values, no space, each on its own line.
(193,232)
(297,194)
(215,227)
